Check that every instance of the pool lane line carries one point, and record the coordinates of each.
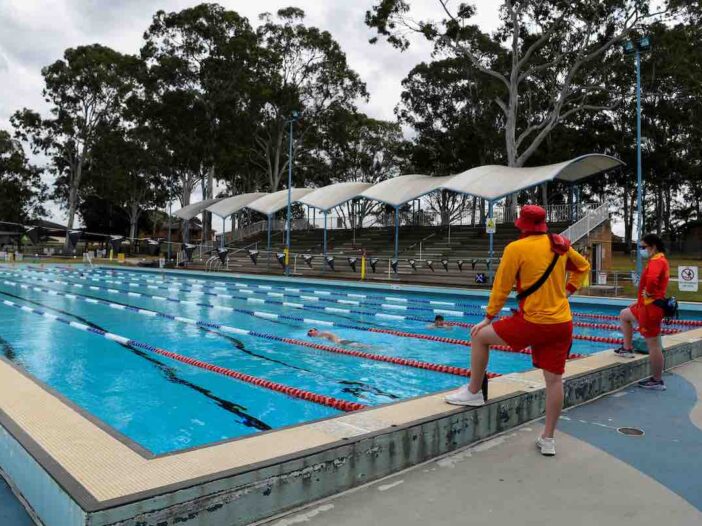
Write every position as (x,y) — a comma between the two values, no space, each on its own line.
(265,290)
(454,341)
(476,311)
(335,403)
(400,299)
(354,387)
(393,332)
(170,373)
(418,364)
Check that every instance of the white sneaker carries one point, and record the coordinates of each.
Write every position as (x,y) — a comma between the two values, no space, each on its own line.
(547,446)
(462,396)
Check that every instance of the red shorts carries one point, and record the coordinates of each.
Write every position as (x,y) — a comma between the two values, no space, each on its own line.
(550,343)
(649,317)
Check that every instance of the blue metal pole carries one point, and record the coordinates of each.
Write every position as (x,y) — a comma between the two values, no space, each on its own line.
(325,235)
(269,240)
(289,225)
(639,175)
(397,232)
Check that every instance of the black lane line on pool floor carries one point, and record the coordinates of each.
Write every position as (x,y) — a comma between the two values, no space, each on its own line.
(352,387)
(168,371)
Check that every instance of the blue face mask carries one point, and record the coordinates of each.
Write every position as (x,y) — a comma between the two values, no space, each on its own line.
(644,253)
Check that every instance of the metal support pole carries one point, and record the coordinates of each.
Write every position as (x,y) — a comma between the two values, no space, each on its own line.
(269,240)
(170,207)
(639,175)
(492,252)
(325,234)
(397,231)
(289,216)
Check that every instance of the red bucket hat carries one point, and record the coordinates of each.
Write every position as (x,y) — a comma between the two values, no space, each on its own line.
(532,218)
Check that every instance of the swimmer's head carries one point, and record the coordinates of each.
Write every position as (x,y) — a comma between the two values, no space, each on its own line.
(439,320)
(312,332)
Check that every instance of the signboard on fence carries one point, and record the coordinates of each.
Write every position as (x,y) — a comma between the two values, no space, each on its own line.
(601,278)
(688,279)
(490,227)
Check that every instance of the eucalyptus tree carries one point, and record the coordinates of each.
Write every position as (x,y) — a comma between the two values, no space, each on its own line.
(84,90)
(543,59)
(202,61)
(306,72)
(22,191)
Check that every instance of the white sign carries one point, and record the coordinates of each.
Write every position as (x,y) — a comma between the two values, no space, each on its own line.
(490,226)
(688,279)
(601,278)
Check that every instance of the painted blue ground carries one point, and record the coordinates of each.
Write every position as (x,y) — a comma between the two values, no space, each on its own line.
(11,512)
(671,449)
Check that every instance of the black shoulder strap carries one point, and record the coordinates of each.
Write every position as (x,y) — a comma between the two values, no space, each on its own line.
(536,286)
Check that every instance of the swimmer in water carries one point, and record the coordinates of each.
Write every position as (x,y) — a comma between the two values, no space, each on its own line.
(316,333)
(439,323)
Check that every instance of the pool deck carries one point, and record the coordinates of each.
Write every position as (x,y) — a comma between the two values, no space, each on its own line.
(599,476)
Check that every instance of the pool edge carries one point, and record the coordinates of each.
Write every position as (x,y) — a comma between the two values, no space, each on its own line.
(254,491)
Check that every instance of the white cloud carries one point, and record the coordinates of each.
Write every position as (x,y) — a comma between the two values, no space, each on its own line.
(35,33)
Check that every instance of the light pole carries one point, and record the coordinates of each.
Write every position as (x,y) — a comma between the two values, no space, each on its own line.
(295,116)
(632,47)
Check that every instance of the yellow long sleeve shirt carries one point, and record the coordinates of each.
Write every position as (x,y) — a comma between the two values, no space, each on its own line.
(524,261)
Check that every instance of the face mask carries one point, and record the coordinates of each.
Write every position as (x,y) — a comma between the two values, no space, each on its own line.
(644,253)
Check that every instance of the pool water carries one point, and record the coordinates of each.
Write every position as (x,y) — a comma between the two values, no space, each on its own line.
(165,405)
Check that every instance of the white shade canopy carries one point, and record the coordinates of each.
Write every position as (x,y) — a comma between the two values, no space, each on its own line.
(190,211)
(331,196)
(493,182)
(271,203)
(400,190)
(231,205)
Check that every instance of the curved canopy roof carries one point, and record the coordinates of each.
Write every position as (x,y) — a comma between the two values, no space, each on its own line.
(490,182)
(190,211)
(231,205)
(400,190)
(271,203)
(331,196)
(493,182)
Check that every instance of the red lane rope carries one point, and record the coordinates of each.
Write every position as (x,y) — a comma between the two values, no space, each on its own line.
(342,405)
(455,341)
(450,369)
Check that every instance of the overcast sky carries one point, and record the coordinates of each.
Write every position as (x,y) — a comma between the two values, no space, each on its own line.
(35,33)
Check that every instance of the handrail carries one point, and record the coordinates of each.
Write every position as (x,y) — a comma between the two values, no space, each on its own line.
(589,222)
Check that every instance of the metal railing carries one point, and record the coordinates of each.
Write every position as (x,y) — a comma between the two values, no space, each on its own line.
(587,224)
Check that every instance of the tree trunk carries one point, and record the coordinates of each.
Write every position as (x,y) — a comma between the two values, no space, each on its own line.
(134,213)
(474,206)
(73,198)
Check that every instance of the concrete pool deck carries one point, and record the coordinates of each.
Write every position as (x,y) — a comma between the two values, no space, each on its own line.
(598,476)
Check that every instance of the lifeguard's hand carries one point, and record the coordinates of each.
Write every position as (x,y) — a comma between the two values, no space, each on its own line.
(480,326)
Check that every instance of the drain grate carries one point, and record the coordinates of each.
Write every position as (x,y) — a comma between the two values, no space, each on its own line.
(631,431)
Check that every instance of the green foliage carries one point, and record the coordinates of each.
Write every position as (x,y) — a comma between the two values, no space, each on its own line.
(21,190)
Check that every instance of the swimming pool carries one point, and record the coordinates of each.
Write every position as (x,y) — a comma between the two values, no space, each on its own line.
(174,362)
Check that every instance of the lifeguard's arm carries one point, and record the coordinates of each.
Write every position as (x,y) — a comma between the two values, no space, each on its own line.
(578,267)
(505,277)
